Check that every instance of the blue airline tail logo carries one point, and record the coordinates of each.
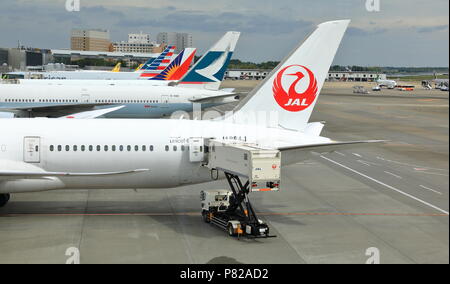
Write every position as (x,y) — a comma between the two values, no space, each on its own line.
(210,69)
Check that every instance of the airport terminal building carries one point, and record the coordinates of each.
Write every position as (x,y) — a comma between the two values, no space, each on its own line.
(355,76)
(246,74)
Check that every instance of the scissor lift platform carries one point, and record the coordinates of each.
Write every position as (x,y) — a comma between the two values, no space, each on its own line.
(247,168)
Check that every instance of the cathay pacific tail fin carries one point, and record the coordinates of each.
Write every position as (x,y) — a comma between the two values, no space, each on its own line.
(209,71)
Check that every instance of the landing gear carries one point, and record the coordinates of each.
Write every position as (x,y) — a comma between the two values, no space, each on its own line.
(4,198)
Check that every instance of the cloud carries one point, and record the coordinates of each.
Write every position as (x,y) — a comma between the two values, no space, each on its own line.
(431,29)
(270,28)
(354,31)
(204,22)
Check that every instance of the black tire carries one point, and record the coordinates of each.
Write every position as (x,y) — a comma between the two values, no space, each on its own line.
(4,198)
(230,230)
(205,217)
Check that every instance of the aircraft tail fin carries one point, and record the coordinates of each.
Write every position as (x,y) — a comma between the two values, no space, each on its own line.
(139,67)
(159,64)
(179,66)
(117,67)
(292,89)
(209,71)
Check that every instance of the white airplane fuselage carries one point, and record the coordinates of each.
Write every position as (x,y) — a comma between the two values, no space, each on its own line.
(79,75)
(160,147)
(49,82)
(140,101)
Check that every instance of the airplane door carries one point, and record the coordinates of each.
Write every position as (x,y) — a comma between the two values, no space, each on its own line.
(164,99)
(85,98)
(32,150)
(196,150)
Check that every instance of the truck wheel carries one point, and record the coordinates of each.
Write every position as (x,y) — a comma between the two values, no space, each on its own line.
(205,217)
(230,230)
(4,198)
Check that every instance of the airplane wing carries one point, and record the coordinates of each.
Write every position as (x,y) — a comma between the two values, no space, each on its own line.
(228,90)
(294,154)
(93,113)
(327,147)
(216,99)
(55,110)
(5,175)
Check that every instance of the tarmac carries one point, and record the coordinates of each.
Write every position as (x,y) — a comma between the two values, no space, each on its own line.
(340,207)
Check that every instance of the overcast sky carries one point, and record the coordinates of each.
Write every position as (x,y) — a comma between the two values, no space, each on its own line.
(402,33)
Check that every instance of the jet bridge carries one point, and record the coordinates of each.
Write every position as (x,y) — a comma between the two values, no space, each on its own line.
(247,168)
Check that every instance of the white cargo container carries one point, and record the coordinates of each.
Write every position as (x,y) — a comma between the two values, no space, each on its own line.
(262,167)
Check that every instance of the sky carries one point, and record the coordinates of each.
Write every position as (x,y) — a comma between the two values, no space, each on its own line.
(400,33)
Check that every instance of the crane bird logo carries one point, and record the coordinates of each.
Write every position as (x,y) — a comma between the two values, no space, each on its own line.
(292,100)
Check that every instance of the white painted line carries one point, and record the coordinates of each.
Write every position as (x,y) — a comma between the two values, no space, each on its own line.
(363,162)
(388,186)
(339,153)
(357,155)
(394,175)
(410,165)
(430,173)
(306,163)
(430,189)
(372,163)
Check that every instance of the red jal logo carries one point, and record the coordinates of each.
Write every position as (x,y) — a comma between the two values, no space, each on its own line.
(292,100)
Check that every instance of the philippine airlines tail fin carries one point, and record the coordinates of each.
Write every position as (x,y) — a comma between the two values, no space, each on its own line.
(179,66)
(159,64)
(292,89)
(209,71)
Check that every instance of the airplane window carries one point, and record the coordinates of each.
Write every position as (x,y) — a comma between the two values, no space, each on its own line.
(106,148)
(129,148)
(99,148)
(67,148)
(91,148)
(83,148)
(59,148)
(174,148)
(136,148)
(75,148)
(167,148)
(52,148)
(144,148)
(183,148)
(121,148)
(151,148)
(114,148)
